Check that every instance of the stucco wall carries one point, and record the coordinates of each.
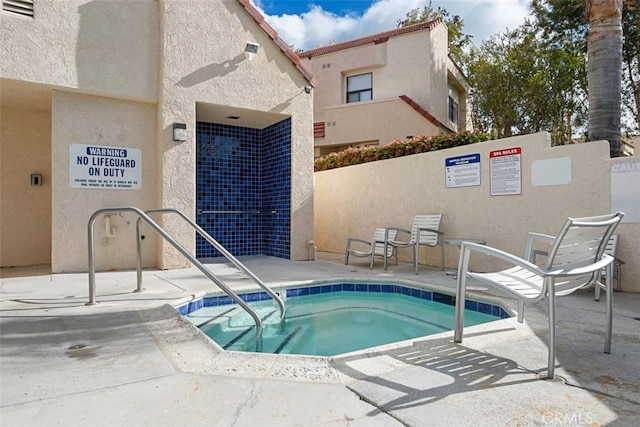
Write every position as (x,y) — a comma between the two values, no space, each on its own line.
(382,121)
(88,45)
(398,65)
(353,201)
(25,210)
(205,63)
(413,64)
(83,119)
(122,72)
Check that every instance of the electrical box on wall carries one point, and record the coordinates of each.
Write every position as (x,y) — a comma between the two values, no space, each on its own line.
(36,179)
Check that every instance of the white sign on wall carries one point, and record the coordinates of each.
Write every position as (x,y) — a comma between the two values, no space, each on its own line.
(625,190)
(462,171)
(505,171)
(105,168)
(551,172)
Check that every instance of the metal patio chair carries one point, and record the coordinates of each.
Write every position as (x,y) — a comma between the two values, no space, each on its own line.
(374,248)
(424,232)
(575,260)
(612,250)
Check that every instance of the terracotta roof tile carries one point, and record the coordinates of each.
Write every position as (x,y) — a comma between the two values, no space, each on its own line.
(273,35)
(424,113)
(373,38)
(252,11)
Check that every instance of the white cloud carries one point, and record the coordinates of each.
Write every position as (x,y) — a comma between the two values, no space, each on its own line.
(317,27)
(484,18)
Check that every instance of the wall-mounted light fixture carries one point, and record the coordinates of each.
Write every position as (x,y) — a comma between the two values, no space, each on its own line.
(251,49)
(307,89)
(179,132)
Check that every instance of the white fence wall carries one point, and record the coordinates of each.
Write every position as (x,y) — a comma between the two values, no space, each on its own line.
(556,182)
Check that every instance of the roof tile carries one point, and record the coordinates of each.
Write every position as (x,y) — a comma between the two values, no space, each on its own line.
(284,47)
(373,38)
(423,112)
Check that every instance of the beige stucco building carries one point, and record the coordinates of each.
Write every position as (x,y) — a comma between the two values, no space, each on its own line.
(90,94)
(386,86)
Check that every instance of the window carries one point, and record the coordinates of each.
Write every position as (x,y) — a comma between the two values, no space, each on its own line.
(359,88)
(453,111)
(19,7)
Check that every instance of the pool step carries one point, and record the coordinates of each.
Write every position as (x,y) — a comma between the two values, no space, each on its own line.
(287,339)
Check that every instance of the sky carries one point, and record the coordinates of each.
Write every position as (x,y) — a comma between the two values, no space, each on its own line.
(308,24)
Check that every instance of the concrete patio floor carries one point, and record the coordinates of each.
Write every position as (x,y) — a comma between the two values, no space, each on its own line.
(132,360)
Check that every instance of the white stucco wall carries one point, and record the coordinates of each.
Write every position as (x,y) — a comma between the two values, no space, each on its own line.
(98,46)
(83,119)
(121,73)
(382,121)
(205,63)
(413,64)
(354,200)
(25,210)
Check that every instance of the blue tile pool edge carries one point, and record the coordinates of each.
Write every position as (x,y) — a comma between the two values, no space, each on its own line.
(429,295)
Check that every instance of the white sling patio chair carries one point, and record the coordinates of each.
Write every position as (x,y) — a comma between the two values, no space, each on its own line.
(576,259)
(612,250)
(424,232)
(374,248)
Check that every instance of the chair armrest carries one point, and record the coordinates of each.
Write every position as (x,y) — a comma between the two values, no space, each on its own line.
(431,230)
(597,266)
(540,237)
(532,237)
(398,230)
(500,254)
(534,254)
(354,240)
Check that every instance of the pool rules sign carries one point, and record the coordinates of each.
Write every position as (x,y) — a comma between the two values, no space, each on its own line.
(505,171)
(105,168)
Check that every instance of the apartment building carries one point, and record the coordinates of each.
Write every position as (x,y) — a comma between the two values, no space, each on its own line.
(386,86)
(192,105)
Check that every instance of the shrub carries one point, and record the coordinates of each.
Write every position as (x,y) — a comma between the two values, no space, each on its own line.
(397,148)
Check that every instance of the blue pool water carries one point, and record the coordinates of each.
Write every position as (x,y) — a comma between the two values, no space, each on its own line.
(332,319)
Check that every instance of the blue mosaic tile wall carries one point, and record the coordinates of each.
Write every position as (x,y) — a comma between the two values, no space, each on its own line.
(276,189)
(244,176)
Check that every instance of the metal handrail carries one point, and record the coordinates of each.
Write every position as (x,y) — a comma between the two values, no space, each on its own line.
(175,244)
(216,245)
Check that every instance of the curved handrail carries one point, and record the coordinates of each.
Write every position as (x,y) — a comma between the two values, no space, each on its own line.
(216,245)
(172,241)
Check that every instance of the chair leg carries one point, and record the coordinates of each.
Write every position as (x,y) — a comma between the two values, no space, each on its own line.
(416,256)
(346,257)
(552,332)
(384,255)
(520,311)
(461,285)
(609,309)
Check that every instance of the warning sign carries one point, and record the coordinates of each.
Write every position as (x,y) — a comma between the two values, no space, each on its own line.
(105,168)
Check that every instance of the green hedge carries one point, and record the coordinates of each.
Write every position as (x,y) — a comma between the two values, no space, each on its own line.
(397,148)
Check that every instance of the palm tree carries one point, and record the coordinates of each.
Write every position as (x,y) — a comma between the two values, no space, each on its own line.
(604,71)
